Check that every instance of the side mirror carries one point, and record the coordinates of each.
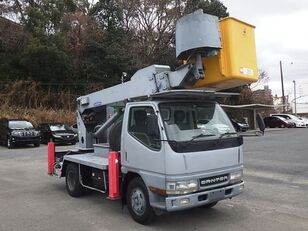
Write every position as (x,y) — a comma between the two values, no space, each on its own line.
(152,126)
(260,122)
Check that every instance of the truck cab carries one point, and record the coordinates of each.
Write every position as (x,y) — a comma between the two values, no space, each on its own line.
(174,154)
(186,152)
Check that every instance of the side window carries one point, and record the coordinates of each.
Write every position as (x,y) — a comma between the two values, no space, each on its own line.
(138,126)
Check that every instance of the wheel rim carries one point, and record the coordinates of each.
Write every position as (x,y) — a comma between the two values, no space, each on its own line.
(138,201)
(71,181)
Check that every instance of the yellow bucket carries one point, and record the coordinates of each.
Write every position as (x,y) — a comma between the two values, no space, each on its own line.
(236,63)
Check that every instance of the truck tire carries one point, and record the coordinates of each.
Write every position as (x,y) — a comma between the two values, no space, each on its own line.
(73,186)
(138,204)
(115,137)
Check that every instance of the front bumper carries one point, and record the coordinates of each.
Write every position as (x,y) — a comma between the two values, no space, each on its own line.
(63,141)
(203,198)
(25,140)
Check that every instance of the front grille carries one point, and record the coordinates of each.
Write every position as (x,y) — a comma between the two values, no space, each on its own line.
(26,134)
(67,137)
(208,181)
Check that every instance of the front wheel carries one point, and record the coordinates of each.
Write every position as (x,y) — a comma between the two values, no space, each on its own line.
(73,186)
(138,202)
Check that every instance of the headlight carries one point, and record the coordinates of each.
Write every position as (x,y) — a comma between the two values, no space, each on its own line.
(236,177)
(37,133)
(56,136)
(16,133)
(181,187)
(75,135)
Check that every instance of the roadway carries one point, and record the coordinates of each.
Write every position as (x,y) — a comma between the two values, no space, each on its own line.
(275,196)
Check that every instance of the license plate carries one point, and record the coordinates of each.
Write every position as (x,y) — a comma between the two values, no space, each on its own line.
(217,195)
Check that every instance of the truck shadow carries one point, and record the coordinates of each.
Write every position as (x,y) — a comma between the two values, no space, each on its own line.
(190,219)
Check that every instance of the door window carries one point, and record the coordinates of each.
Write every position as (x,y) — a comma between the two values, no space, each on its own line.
(139,129)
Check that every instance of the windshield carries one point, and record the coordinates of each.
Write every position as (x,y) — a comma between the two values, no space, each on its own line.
(287,117)
(195,121)
(20,124)
(293,117)
(282,118)
(57,127)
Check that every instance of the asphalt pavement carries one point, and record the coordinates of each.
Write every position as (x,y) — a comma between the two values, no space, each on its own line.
(275,195)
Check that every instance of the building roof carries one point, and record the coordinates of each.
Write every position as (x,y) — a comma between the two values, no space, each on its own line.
(251,106)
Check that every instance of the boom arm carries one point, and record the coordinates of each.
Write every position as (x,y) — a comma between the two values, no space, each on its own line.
(145,82)
(197,35)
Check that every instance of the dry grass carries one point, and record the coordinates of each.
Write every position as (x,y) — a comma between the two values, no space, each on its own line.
(38,115)
(28,100)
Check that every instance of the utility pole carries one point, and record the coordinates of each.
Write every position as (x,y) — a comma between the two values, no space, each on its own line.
(282,88)
(295,112)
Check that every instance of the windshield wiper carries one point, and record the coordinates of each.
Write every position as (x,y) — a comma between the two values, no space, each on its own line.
(226,134)
(198,136)
(178,144)
(201,135)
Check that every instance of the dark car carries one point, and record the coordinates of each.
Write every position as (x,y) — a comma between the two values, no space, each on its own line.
(278,122)
(240,126)
(18,131)
(58,133)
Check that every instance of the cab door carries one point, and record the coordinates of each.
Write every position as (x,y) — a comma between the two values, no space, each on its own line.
(141,151)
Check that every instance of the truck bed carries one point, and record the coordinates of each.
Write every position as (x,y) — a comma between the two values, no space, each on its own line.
(89,159)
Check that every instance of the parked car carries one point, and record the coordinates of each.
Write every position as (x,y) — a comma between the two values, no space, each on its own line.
(299,123)
(305,120)
(58,133)
(18,131)
(240,126)
(278,122)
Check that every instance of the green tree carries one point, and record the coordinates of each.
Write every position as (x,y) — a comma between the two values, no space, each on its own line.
(152,26)
(109,56)
(74,41)
(214,7)
(46,61)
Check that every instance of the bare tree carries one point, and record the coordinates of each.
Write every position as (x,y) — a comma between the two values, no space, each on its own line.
(263,79)
(151,24)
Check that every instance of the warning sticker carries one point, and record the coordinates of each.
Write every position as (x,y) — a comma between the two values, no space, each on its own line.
(246,71)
